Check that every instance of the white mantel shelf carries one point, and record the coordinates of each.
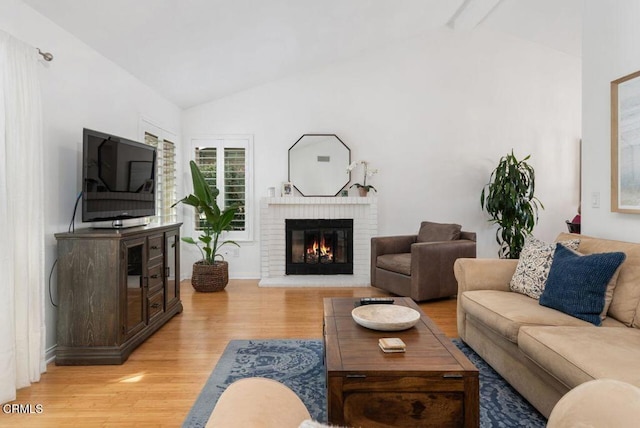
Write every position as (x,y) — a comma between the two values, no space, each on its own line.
(301,200)
(274,212)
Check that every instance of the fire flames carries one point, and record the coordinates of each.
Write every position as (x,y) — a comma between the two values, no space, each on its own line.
(319,249)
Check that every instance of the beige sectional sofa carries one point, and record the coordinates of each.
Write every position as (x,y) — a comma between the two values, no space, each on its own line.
(544,353)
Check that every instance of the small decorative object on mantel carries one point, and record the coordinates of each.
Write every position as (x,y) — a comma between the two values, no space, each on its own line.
(209,274)
(363,188)
(287,189)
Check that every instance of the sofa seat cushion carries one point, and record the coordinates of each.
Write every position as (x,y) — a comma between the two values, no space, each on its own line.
(505,312)
(399,263)
(574,355)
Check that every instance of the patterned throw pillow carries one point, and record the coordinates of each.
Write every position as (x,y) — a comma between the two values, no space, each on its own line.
(534,264)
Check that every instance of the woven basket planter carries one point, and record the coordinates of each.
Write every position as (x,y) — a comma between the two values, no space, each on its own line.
(207,278)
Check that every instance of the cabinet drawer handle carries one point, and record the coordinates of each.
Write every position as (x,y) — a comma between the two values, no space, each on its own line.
(155,305)
(155,276)
(155,247)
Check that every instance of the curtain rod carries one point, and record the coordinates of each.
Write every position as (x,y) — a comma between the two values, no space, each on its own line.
(46,55)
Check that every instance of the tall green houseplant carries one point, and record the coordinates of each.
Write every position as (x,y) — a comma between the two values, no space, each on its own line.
(510,201)
(209,274)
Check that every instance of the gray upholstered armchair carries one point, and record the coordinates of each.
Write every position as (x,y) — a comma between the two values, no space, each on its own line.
(421,266)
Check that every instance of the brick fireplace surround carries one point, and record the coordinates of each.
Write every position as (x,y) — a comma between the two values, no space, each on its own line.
(274,212)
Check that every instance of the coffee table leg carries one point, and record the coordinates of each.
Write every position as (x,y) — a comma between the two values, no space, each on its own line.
(335,401)
(471,402)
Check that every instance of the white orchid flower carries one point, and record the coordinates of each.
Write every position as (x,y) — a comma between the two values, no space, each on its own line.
(366,173)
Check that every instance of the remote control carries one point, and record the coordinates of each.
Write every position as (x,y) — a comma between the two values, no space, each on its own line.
(376,301)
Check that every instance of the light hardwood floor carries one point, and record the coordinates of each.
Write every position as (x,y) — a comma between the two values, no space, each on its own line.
(162,378)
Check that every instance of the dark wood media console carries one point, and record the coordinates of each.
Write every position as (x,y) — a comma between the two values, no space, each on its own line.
(115,289)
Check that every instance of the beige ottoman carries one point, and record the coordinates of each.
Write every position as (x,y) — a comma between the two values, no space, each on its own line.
(258,402)
(598,403)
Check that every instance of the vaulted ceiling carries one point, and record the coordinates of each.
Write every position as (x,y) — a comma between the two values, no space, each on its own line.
(194,51)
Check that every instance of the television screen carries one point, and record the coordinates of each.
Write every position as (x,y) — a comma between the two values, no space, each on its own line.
(118,178)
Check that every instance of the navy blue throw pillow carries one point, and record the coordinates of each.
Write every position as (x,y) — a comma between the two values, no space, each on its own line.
(577,284)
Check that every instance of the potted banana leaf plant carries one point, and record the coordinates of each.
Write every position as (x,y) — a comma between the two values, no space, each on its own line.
(509,199)
(211,273)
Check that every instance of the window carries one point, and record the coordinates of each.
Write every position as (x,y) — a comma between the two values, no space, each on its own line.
(165,172)
(225,162)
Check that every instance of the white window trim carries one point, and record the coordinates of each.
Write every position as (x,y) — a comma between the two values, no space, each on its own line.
(147,125)
(245,141)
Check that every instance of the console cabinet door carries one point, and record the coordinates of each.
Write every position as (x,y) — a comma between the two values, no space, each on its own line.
(172,260)
(134,285)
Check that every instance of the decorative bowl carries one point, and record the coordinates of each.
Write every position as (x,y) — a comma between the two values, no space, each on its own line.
(385,317)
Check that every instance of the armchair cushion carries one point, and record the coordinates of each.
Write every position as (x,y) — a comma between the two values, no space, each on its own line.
(399,263)
(434,232)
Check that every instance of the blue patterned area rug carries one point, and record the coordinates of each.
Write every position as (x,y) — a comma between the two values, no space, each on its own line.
(500,404)
(298,364)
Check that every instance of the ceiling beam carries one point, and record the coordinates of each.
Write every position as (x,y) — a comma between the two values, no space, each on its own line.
(471,13)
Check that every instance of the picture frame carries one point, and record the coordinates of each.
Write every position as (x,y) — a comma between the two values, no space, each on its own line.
(625,144)
(287,189)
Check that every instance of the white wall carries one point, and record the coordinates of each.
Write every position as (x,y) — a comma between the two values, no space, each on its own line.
(610,51)
(80,88)
(434,114)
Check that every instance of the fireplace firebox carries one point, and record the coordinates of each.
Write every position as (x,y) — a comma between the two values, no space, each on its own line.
(319,246)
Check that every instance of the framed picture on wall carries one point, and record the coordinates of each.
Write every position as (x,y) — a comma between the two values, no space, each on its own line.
(625,144)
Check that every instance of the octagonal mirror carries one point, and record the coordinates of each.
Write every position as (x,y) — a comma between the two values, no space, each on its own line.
(318,165)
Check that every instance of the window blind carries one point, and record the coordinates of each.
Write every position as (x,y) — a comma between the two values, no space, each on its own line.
(227,174)
(165,178)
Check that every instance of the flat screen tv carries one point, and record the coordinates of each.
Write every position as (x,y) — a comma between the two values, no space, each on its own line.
(118,177)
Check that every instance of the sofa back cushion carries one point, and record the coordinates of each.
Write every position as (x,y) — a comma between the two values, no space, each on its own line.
(436,232)
(626,296)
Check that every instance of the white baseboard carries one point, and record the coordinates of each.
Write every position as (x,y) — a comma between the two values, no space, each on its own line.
(50,354)
(316,281)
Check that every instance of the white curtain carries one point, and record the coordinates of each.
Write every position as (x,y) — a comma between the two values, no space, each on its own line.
(22,274)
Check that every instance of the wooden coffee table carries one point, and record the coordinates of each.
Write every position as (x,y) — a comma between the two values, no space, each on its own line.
(432,384)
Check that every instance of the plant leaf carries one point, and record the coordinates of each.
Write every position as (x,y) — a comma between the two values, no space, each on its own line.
(509,200)
(200,187)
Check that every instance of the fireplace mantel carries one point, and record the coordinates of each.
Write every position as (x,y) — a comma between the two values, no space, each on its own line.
(301,200)
(274,212)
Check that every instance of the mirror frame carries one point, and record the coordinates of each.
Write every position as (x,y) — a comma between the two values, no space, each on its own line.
(347,173)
